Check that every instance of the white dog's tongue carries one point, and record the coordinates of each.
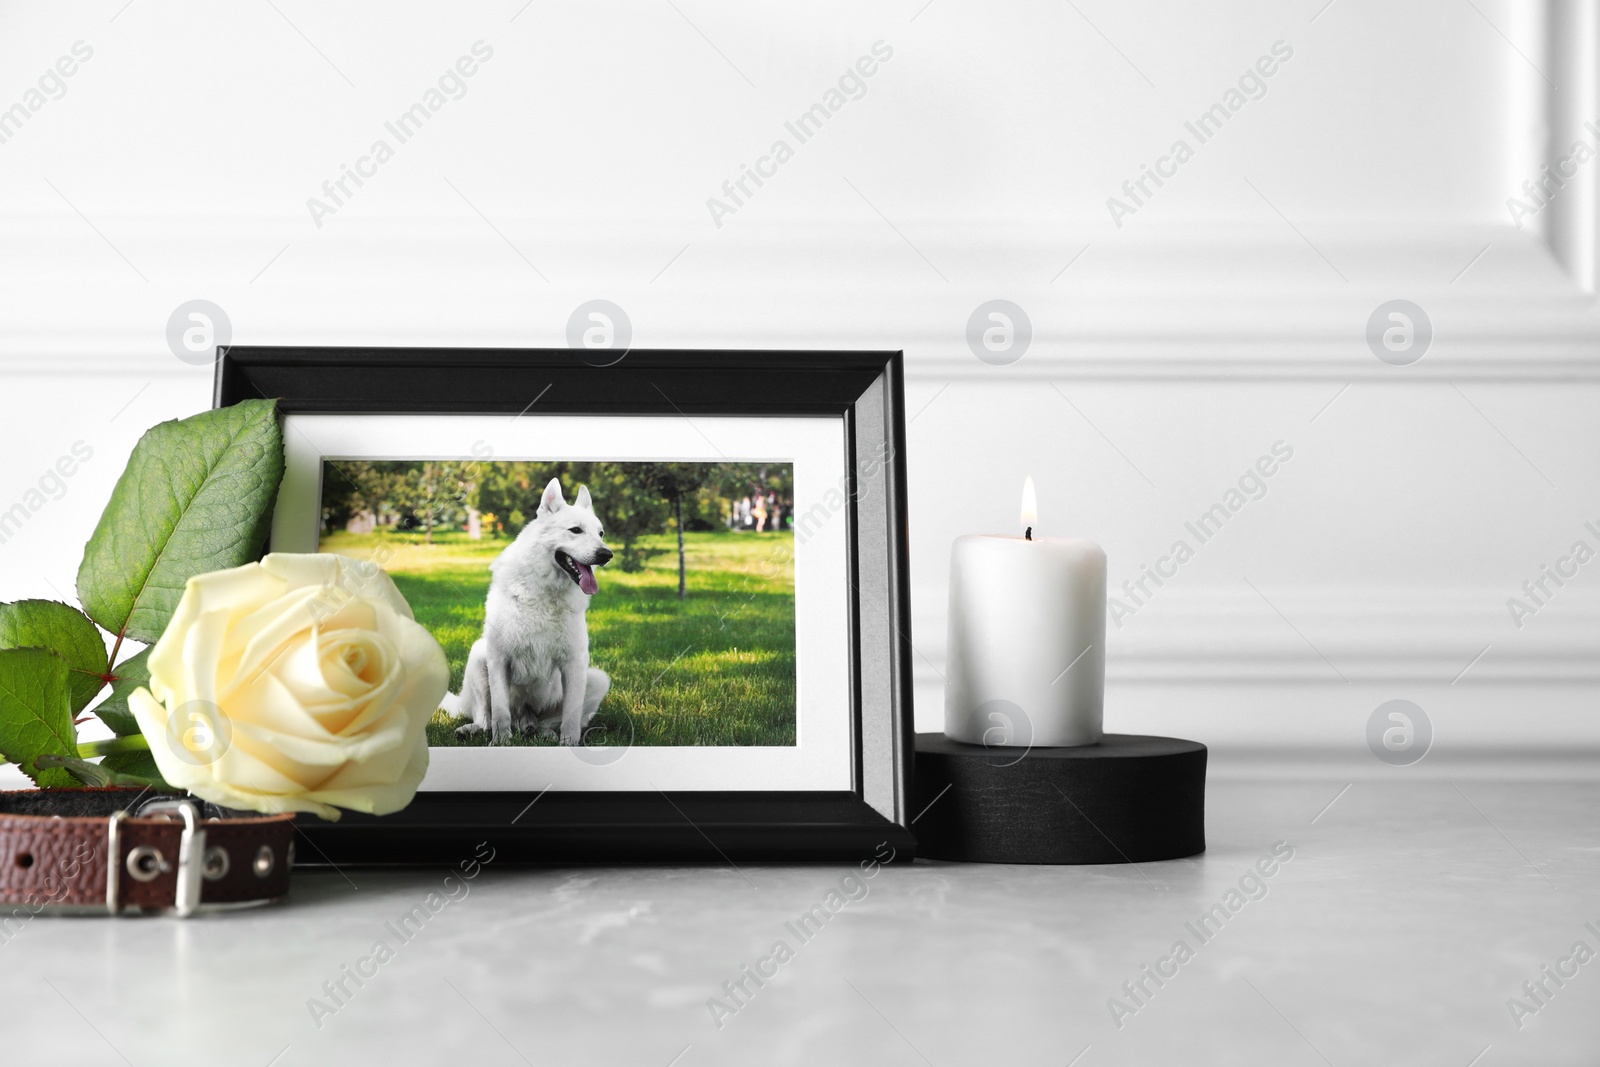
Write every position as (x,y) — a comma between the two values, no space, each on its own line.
(586,580)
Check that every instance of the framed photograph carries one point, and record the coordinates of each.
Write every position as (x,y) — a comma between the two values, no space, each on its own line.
(671,587)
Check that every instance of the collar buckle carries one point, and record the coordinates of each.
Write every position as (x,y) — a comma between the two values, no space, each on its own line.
(191,850)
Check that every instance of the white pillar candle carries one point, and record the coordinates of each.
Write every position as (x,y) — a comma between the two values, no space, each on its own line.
(1027,639)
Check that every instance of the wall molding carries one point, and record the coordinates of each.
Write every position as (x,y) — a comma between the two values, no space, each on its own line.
(1567,40)
(1181,303)
(1215,635)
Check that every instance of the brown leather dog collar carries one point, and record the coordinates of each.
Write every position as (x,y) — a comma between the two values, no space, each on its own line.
(108,850)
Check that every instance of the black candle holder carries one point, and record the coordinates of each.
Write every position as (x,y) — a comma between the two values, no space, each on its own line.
(1128,799)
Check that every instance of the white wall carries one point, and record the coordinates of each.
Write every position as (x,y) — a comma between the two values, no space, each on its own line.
(1226,314)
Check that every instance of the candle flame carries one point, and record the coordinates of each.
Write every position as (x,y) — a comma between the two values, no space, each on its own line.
(1030,504)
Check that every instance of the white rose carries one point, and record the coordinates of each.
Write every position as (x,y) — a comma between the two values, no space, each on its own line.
(299,683)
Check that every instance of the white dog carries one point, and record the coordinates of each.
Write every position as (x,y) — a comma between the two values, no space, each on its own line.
(530,669)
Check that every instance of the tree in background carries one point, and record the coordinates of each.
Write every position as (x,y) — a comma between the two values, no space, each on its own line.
(630,508)
(436,493)
(727,483)
(633,499)
(511,491)
(353,486)
(674,482)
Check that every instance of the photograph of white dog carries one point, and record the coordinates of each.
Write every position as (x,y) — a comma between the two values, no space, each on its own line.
(588,603)
(530,669)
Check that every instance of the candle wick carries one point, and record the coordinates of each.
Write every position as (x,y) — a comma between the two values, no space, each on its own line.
(1027,535)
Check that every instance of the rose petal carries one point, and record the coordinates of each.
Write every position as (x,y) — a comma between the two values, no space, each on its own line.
(323,679)
(363,580)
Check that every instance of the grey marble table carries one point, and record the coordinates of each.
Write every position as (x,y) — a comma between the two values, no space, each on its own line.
(1401,930)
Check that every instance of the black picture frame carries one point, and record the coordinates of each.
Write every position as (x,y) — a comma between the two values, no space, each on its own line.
(864,389)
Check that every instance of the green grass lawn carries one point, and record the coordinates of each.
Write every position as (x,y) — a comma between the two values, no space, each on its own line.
(717,668)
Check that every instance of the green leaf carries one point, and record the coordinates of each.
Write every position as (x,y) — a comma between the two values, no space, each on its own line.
(63,630)
(98,775)
(196,496)
(36,713)
(140,765)
(132,673)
